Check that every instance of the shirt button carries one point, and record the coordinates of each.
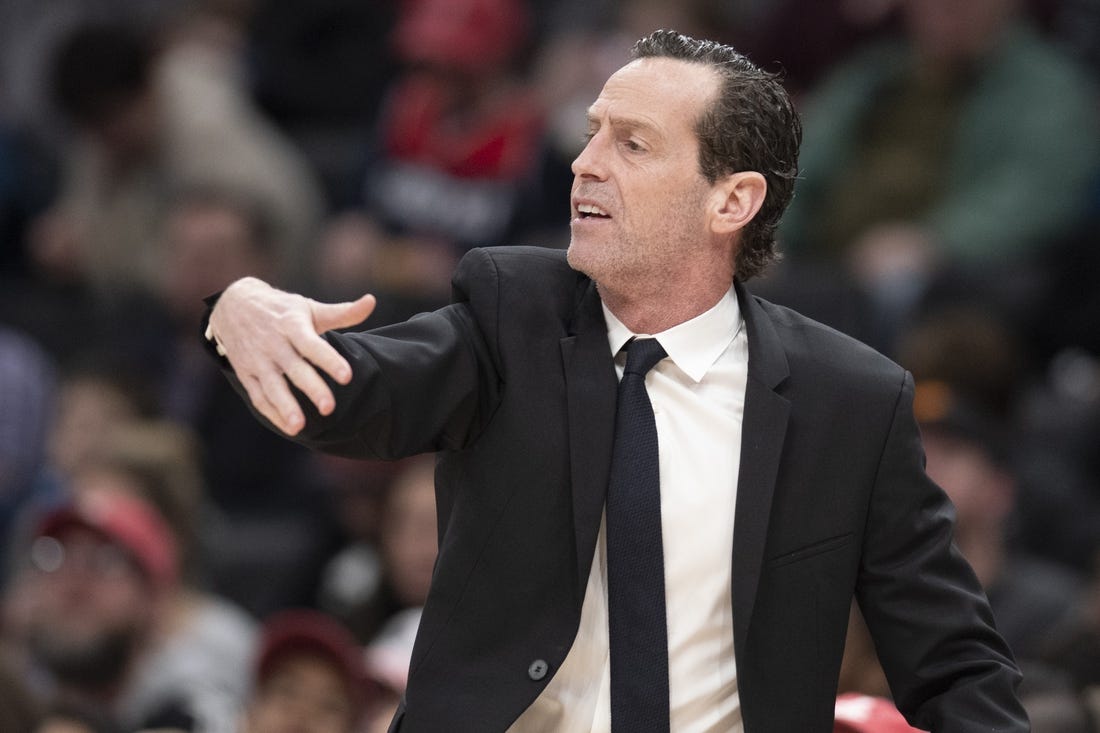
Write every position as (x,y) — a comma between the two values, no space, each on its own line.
(538,669)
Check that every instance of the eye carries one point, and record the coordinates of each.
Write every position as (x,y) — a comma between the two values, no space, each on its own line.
(633,145)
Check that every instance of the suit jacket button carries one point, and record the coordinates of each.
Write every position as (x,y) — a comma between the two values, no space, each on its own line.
(538,669)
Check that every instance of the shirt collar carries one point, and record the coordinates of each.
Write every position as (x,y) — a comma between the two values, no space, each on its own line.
(693,345)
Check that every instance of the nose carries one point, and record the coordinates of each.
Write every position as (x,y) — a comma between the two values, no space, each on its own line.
(590,162)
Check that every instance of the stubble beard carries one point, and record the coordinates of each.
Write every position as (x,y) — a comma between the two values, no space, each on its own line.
(93,664)
(641,267)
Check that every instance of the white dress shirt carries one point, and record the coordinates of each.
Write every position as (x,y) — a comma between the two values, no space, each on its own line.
(698,397)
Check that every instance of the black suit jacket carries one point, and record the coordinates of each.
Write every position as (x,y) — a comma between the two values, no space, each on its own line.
(514,385)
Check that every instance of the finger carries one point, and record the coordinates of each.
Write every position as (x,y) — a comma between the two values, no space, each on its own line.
(277,391)
(261,403)
(329,316)
(321,354)
(303,376)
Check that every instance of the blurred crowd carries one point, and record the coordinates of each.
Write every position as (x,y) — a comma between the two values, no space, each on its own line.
(167,563)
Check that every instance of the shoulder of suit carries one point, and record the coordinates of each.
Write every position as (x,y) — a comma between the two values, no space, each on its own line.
(530,270)
(520,260)
(813,345)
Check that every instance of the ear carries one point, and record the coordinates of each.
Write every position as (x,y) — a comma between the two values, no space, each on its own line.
(735,201)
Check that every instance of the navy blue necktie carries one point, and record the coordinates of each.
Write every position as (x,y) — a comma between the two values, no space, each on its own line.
(635,556)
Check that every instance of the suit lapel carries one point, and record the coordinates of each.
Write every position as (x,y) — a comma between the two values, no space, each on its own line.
(762,435)
(590,387)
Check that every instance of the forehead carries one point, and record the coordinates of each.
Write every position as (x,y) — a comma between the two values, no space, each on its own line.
(77,534)
(664,92)
(304,663)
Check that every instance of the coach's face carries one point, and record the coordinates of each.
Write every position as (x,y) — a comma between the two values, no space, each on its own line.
(639,198)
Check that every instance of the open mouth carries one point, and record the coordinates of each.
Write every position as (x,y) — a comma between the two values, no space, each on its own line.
(591,211)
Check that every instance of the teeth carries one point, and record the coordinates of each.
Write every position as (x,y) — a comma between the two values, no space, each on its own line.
(590,209)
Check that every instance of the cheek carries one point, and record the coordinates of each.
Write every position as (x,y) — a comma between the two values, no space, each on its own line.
(674,204)
(330,723)
(644,203)
(267,716)
(326,710)
(123,602)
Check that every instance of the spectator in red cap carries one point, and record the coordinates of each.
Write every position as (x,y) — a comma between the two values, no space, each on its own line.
(310,677)
(87,599)
(197,659)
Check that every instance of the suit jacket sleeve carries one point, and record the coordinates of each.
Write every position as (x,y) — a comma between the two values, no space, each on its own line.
(947,666)
(427,384)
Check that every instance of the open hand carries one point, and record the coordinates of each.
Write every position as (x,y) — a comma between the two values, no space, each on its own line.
(272,337)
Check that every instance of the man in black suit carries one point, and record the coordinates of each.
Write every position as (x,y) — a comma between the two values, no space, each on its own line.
(791,473)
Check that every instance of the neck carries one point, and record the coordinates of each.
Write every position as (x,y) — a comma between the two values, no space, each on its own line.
(660,310)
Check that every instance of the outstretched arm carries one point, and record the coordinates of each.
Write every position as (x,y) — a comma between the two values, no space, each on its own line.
(272,340)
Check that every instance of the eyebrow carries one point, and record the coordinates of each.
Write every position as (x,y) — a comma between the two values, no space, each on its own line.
(628,123)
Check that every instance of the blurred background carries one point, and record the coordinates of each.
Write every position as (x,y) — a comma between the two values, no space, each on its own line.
(152,151)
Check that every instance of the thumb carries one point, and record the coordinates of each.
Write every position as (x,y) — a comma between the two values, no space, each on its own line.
(329,316)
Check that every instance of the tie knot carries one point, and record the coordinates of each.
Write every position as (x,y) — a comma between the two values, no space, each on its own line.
(642,355)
